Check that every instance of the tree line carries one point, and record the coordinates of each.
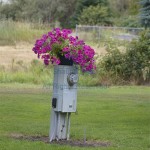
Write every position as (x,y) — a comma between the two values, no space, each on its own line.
(71,12)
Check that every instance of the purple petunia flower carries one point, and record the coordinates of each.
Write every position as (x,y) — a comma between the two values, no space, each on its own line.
(59,41)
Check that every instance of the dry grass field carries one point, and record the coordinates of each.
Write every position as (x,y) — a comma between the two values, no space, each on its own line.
(23,52)
(20,52)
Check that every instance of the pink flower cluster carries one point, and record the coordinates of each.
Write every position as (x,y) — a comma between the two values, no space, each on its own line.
(58,42)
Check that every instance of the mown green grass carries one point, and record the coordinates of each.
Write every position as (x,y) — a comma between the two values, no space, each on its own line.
(119,115)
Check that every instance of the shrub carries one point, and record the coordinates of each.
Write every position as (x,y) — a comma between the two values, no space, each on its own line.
(130,21)
(112,65)
(130,66)
(138,58)
(95,15)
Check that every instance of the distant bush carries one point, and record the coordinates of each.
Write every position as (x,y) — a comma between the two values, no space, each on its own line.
(130,21)
(132,66)
(95,15)
(127,21)
(138,58)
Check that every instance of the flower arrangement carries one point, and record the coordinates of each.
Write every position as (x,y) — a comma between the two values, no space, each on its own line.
(58,43)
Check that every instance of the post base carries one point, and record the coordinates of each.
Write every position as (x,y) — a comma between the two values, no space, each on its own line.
(60,126)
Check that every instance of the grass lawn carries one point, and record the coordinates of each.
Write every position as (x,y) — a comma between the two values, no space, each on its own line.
(119,115)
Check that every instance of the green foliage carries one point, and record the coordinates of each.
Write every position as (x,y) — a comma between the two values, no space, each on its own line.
(125,12)
(119,7)
(127,21)
(145,13)
(112,66)
(138,58)
(32,10)
(65,13)
(132,65)
(39,11)
(95,15)
(134,7)
(83,4)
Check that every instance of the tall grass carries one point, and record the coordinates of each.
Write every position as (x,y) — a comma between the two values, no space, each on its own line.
(12,32)
(37,73)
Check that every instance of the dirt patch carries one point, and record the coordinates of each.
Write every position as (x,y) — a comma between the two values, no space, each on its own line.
(79,143)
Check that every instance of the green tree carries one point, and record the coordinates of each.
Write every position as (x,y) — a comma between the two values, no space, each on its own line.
(37,10)
(8,12)
(133,7)
(12,10)
(119,7)
(65,10)
(145,13)
(125,12)
(95,15)
(83,4)
(124,7)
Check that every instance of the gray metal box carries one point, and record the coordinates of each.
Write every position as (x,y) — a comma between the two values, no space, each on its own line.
(65,92)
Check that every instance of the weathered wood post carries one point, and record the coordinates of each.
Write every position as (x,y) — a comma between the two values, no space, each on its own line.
(64,101)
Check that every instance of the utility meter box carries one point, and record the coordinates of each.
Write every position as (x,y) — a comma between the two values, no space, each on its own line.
(65,88)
